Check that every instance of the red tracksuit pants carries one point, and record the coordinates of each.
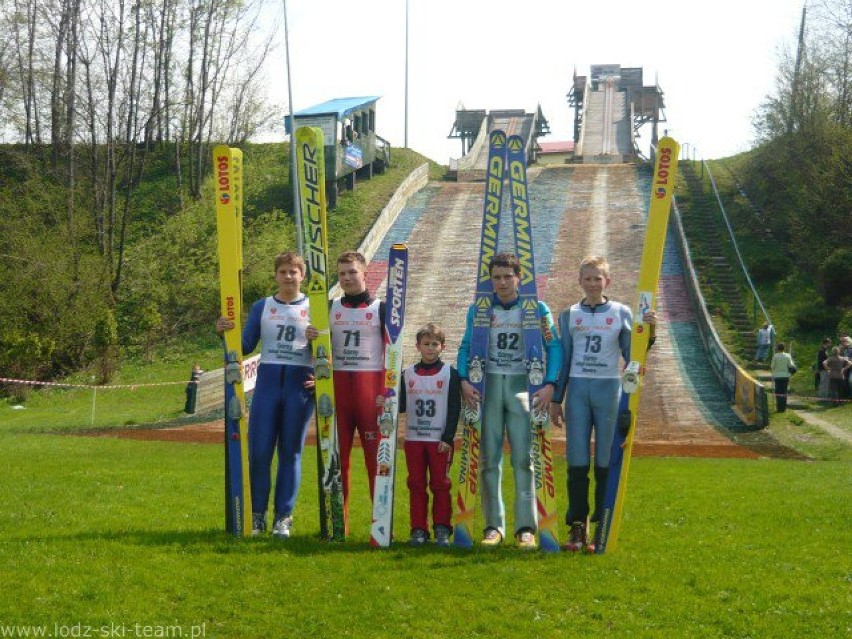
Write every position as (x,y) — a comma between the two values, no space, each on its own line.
(355,395)
(423,459)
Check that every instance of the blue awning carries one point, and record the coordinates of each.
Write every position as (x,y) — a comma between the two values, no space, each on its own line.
(340,106)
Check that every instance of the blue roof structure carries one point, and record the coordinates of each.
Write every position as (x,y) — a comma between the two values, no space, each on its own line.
(341,106)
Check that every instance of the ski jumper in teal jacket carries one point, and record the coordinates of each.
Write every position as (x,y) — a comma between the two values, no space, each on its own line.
(504,415)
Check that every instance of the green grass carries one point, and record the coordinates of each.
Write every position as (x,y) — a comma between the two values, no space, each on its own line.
(61,409)
(794,432)
(101,531)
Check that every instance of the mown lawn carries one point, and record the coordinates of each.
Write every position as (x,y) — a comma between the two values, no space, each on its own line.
(107,532)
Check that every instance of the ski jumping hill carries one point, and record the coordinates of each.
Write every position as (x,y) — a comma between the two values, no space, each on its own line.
(607,128)
(577,210)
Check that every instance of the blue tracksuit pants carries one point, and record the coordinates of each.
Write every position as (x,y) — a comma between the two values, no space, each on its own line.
(280,413)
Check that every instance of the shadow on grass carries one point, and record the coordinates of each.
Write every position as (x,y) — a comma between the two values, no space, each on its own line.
(220,542)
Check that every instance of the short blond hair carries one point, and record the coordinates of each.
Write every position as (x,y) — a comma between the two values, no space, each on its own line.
(595,261)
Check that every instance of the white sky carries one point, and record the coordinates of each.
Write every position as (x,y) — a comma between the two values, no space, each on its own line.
(715,61)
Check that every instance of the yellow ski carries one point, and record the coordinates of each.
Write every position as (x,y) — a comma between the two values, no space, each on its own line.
(311,167)
(662,190)
(227,170)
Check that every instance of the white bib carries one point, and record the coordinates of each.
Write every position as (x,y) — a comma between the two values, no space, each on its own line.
(426,404)
(596,351)
(506,342)
(282,333)
(356,337)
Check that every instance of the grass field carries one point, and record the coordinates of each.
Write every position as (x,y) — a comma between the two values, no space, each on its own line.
(108,533)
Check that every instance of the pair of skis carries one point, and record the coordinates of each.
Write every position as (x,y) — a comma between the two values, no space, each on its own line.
(228,172)
(662,190)
(506,154)
(467,486)
(311,168)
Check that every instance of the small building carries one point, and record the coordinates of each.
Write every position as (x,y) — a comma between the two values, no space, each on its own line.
(351,145)
(555,152)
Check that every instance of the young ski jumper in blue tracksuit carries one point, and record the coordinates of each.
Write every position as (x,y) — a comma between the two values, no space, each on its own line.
(595,335)
(282,404)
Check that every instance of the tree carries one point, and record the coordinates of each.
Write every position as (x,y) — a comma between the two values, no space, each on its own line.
(814,84)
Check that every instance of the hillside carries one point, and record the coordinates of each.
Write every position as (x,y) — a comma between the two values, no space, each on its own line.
(788,204)
(86,290)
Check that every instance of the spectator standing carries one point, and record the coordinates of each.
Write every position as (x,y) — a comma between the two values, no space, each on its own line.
(837,366)
(765,334)
(782,368)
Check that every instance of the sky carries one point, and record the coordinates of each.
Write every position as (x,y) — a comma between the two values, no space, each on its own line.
(714,61)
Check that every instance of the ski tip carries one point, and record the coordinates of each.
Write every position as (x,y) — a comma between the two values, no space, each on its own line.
(547,542)
(462,539)
(515,143)
(497,138)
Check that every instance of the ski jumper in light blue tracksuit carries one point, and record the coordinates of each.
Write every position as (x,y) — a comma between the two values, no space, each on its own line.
(594,340)
(503,414)
(281,408)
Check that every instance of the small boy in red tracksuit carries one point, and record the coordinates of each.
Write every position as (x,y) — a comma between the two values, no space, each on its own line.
(430,395)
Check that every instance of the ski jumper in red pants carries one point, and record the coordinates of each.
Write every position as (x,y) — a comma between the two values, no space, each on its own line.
(357,345)
(430,395)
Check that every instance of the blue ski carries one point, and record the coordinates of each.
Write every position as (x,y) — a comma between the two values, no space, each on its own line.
(531,321)
(468,483)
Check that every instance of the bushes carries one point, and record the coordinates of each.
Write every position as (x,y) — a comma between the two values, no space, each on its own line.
(817,317)
(767,265)
(25,355)
(844,327)
(836,277)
